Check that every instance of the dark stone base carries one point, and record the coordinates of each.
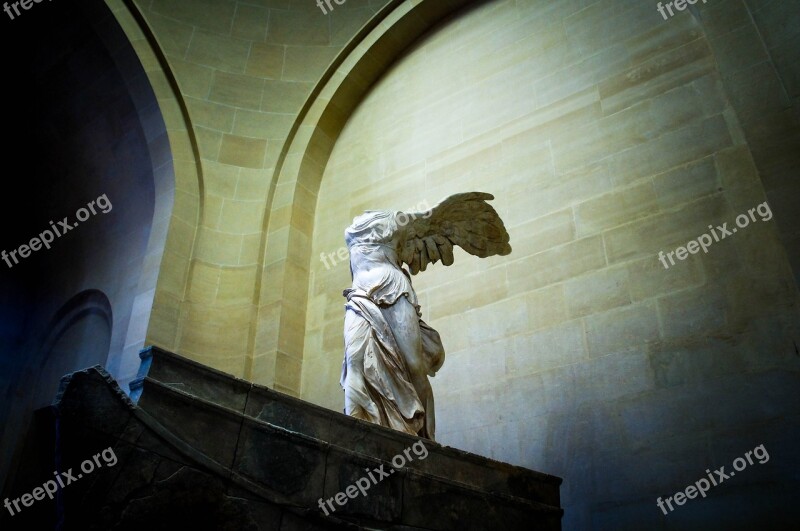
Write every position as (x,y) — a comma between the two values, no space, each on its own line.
(204,450)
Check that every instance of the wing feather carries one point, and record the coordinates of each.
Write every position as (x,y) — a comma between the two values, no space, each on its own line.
(465,220)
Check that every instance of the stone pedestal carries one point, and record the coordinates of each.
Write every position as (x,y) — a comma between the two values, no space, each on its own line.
(202,449)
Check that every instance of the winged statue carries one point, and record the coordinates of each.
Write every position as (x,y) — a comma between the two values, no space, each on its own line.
(389,350)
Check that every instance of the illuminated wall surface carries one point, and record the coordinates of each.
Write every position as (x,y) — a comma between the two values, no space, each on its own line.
(645,157)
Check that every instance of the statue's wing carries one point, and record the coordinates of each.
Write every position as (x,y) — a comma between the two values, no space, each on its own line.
(466,220)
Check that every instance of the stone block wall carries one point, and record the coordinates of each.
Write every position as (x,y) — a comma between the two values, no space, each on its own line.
(232,77)
(607,135)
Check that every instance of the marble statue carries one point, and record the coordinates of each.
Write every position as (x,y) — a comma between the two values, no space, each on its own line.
(389,350)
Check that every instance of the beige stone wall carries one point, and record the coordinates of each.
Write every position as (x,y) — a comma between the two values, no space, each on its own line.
(606,135)
(231,78)
(162,284)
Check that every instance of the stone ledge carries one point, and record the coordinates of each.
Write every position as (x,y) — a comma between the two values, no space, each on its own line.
(266,405)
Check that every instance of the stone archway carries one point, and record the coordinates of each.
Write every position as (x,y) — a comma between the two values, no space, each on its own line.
(277,335)
(78,336)
(179,186)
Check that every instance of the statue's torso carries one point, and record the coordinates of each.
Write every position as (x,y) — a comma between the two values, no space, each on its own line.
(376,268)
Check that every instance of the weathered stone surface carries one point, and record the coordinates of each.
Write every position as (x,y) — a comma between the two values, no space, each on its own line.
(209,385)
(368,439)
(282,461)
(384,498)
(183,460)
(108,414)
(434,505)
(189,419)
